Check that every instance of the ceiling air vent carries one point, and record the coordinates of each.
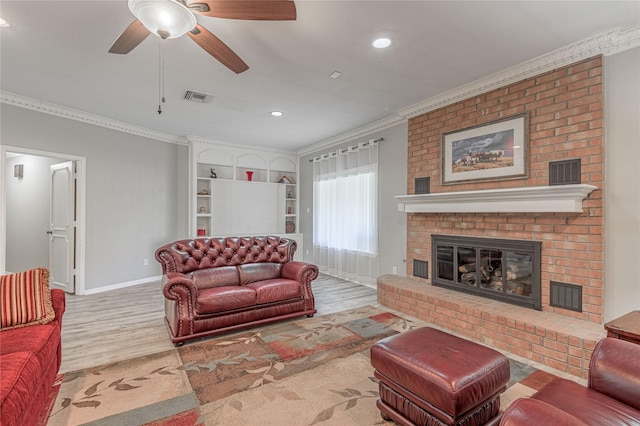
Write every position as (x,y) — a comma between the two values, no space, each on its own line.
(201,98)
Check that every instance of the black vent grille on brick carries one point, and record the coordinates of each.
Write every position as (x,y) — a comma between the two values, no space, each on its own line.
(420,268)
(423,185)
(564,172)
(567,296)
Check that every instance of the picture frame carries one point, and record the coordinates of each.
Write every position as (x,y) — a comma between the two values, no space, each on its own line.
(493,151)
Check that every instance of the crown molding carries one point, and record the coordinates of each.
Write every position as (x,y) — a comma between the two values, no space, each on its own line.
(376,126)
(85,117)
(607,43)
(619,40)
(98,120)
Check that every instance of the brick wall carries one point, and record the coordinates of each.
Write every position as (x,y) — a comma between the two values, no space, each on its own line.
(565,109)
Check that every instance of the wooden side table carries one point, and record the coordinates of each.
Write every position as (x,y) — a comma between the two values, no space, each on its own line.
(627,327)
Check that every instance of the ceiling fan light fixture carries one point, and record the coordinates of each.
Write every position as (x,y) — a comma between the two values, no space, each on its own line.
(164,18)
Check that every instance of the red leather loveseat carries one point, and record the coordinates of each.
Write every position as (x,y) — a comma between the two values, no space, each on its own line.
(612,396)
(215,285)
(30,358)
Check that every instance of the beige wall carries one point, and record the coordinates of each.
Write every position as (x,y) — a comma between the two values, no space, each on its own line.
(131,190)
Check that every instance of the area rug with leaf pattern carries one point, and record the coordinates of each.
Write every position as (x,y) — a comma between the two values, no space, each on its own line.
(186,385)
(299,372)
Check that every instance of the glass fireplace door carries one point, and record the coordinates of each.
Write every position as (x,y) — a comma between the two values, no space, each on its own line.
(506,270)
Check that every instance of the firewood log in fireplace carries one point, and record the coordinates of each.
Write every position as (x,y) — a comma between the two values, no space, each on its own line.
(518,274)
(517,270)
(486,270)
(521,287)
(467,267)
(468,278)
(514,275)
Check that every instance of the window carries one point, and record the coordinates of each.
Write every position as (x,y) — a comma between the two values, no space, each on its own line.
(344,211)
(345,192)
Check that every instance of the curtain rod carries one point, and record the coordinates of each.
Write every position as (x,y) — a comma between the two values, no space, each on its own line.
(354,146)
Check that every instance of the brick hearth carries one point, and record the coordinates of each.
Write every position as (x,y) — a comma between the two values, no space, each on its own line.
(554,340)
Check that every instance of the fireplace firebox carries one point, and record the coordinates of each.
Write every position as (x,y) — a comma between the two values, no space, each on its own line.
(499,269)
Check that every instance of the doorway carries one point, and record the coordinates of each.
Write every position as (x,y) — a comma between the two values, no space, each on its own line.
(30,224)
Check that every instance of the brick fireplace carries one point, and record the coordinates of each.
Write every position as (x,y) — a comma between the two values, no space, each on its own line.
(565,112)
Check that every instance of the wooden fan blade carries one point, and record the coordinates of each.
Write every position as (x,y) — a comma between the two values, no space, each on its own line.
(130,38)
(216,48)
(259,10)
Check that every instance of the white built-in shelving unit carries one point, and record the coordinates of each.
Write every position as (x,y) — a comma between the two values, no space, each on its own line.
(226,201)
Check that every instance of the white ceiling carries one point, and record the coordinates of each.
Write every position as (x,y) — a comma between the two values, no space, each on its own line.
(56,51)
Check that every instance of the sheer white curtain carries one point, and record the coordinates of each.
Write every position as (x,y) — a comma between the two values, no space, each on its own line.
(345,212)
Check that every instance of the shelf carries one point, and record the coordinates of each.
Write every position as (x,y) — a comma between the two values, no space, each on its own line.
(534,199)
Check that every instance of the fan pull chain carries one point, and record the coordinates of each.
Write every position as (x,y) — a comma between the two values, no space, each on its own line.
(161,98)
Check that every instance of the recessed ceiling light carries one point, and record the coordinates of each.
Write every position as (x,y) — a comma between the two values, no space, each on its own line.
(277,113)
(335,74)
(4,24)
(381,43)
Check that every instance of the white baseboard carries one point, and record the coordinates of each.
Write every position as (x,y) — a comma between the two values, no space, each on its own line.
(122,285)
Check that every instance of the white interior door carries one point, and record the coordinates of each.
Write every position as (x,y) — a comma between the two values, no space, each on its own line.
(62,227)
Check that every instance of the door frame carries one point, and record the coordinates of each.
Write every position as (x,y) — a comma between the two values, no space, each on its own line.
(81,207)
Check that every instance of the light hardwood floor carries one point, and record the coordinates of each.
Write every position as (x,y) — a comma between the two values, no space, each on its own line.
(127,323)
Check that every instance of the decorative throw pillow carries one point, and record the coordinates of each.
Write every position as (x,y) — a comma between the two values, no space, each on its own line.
(25,299)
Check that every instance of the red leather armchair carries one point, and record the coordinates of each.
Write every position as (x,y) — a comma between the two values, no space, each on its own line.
(612,396)
(216,285)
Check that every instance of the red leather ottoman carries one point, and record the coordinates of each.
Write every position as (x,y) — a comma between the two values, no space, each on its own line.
(428,377)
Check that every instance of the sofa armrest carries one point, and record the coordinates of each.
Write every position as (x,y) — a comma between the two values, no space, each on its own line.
(179,287)
(181,294)
(615,371)
(304,273)
(526,412)
(299,271)
(59,302)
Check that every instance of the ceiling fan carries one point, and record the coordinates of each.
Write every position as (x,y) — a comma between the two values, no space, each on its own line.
(174,18)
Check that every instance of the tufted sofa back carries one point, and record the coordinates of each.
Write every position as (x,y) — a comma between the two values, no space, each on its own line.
(187,256)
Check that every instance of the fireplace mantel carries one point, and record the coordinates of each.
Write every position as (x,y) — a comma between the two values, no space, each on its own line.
(534,199)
